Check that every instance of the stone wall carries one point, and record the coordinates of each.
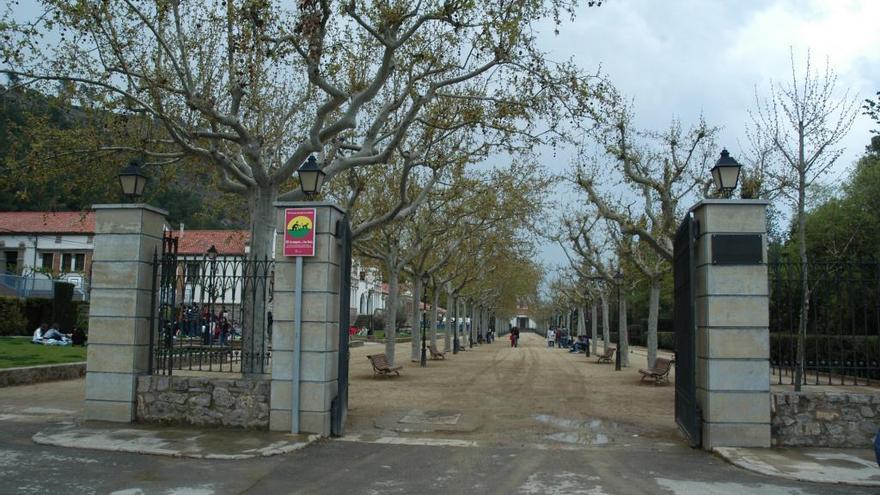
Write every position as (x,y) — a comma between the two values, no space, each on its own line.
(200,401)
(825,419)
(44,373)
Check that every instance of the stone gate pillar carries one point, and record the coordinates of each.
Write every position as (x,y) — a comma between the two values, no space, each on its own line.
(319,353)
(732,341)
(126,238)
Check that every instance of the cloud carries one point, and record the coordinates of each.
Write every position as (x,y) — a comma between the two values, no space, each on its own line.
(692,57)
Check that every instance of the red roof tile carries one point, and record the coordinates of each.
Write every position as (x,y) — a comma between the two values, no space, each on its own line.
(198,242)
(47,222)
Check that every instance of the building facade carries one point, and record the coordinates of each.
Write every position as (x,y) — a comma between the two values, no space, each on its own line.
(40,247)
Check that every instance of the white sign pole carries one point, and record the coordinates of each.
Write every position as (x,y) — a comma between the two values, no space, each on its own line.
(297,347)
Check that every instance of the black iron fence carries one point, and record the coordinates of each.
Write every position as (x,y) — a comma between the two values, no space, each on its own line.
(211,313)
(841,342)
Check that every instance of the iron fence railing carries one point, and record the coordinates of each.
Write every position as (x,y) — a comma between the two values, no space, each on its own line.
(841,344)
(210,315)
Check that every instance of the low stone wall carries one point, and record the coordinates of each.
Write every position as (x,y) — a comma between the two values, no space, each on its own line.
(200,401)
(825,419)
(44,373)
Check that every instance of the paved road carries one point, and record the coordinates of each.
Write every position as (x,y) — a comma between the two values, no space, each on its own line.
(518,465)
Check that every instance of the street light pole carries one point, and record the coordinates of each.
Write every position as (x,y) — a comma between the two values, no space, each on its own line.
(455,329)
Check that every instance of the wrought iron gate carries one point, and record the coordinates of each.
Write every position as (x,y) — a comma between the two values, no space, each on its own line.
(339,407)
(687,409)
(209,311)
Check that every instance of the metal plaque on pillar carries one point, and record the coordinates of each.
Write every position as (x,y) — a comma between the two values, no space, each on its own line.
(737,249)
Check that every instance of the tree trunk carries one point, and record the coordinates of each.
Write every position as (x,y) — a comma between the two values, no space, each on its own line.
(568,321)
(606,328)
(416,319)
(391,313)
(475,324)
(254,303)
(653,314)
(802,251)
(594,314)
(582,320)
(623,334)
(434,314)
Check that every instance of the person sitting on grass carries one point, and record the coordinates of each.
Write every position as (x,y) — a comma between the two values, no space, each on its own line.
(54,337)
(39,333)
(78,337)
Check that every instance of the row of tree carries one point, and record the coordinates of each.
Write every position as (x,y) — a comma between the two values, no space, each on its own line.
(639,184)
(395,98)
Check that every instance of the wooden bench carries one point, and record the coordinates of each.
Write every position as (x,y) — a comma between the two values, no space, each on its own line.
(435,353)
(381,366)
(607,356)
(660,371)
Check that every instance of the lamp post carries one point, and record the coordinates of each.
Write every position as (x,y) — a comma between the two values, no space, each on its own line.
(311,177)
(212,257)
(618,279)
(132,178)
(370,309)
(725,174)
(424,361)
(455,329)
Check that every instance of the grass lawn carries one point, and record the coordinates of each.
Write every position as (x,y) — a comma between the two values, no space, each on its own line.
(18,351)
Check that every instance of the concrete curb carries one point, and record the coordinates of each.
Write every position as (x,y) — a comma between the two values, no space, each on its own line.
(145,442)
(28,375)
(751,463)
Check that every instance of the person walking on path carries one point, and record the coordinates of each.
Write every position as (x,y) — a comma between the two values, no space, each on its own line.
(514,336)
(551,337)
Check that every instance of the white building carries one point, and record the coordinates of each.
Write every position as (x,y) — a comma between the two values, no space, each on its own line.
(367,294)
(41,246)
(219,281)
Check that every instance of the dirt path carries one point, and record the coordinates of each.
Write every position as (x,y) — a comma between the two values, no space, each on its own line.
(523,396)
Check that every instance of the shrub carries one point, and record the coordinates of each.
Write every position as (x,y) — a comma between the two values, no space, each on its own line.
(82,314)
(12,320)
(666,340)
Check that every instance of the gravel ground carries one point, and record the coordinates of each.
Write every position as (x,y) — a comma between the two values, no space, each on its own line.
(525,395)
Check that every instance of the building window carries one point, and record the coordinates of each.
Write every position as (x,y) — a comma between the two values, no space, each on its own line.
(192,270)
(73,262)
(48,258)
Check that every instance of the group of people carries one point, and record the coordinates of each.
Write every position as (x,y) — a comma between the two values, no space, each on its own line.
(194,321)
(561,338)
(46,335)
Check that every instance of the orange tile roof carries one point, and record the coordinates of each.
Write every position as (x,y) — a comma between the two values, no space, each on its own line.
(47,222)
(198,242)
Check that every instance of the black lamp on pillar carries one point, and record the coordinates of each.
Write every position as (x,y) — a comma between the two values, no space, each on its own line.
(725,173)
(133,179)
(311,177)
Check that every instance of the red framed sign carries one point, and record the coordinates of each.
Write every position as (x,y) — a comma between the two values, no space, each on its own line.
(299,232)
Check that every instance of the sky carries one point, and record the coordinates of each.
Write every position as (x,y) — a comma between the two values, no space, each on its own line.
(686,58)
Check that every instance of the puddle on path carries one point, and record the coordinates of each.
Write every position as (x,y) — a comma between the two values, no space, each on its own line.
(583,432)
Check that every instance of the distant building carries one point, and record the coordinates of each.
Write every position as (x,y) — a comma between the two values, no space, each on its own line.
(367,296)
(39,247)
(220,281)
